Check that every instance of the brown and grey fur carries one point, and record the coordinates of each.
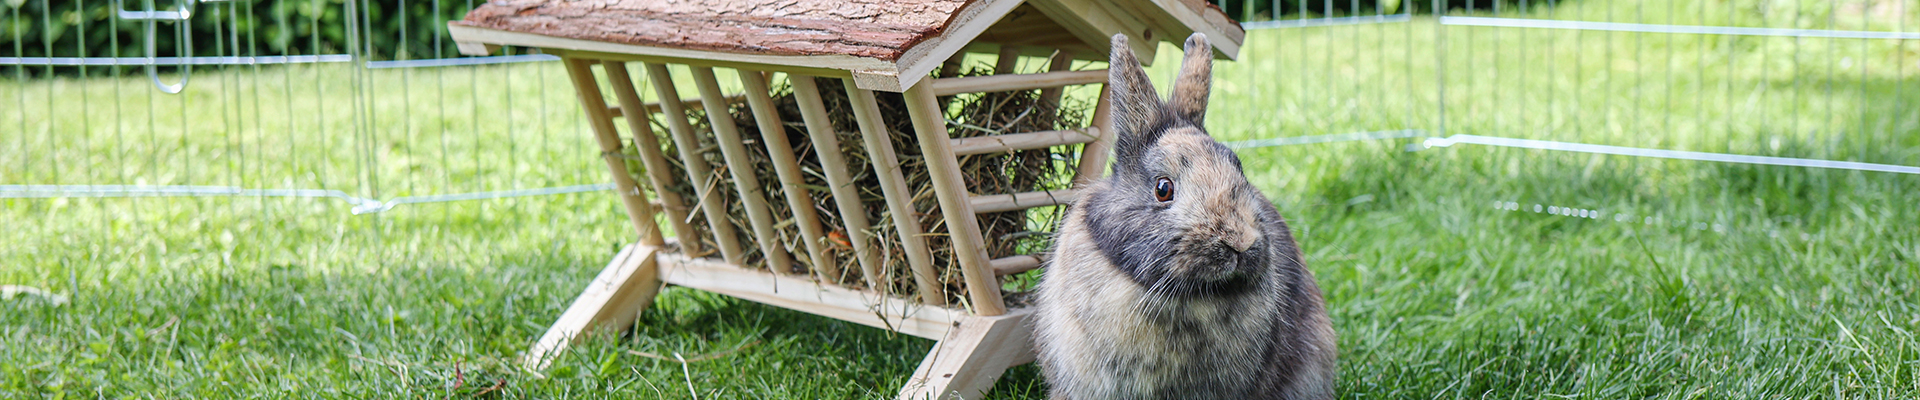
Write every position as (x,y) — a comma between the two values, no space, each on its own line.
(1201,297)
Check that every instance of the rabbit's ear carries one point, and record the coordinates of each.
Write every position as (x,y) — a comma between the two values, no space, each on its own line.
(1195,82)
(1136,107)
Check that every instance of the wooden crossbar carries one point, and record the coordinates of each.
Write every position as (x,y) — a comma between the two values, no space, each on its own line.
(1021,201)
(863,307)
(1022,141)
(1013,265)
(1001,83)
(655,107)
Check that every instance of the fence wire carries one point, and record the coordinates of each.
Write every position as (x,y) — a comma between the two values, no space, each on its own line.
(362,120)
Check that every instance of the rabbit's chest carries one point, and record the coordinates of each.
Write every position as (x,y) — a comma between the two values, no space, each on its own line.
(1203,350)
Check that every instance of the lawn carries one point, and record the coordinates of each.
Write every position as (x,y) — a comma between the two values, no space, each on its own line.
(1697,279)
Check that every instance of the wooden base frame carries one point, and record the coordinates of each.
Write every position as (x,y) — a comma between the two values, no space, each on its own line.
(978,338)
(972,352)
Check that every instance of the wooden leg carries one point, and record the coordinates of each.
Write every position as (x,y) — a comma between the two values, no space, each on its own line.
(972,357)
(609,304)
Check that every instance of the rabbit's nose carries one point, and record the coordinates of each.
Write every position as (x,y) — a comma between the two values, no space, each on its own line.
(1243,240)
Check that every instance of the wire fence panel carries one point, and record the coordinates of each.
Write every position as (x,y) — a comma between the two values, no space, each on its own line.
(364,117)
(367,105)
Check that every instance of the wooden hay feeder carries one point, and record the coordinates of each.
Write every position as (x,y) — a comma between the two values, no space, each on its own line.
(868,45)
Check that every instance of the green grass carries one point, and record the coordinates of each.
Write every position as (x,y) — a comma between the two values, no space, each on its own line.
(1751,281)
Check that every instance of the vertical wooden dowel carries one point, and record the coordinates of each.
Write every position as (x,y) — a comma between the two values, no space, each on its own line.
(792,183)
(953,64)
(826,144)
(951,68)
(698,171)
(1093,156)
(752,197)
(638,211)
(930,126)
(1061,61)
(906,220)
(641,124)
(1008,61)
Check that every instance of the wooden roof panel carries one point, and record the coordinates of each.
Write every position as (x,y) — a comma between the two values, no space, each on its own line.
(881,29)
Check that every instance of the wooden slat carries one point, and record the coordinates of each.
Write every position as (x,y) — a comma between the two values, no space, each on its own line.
(863,307)
(774,134)
(638,211)
(610,303)
(846,197)
(1007,61)
(1094,23)
(1016,264)
(918,62)
(1021,201)
(655,107)
(698,171)
(906,220)
(1061,61)
(1093,156)
(1001,83)
(727,135)
(966,363)
(1022,141)
(648,145)
(929,125)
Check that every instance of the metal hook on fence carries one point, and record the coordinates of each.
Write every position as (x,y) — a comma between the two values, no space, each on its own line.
(179,16)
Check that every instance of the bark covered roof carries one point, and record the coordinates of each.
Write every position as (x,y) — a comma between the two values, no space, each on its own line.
(880,29)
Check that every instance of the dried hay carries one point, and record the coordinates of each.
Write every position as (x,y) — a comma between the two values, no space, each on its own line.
(1006,233)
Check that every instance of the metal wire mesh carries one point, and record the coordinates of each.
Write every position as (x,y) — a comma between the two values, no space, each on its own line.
(344,120)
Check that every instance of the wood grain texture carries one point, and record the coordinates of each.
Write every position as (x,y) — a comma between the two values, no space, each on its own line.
(966,363)
(881,29)
(858,306)
(608,304)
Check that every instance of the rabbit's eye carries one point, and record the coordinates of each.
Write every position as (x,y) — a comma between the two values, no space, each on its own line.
(1163,189)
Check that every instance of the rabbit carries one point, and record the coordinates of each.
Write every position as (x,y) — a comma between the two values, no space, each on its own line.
(1174,278)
